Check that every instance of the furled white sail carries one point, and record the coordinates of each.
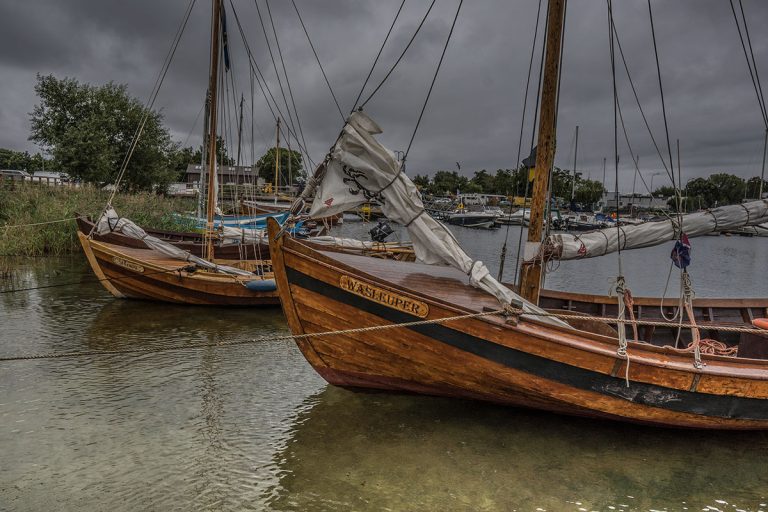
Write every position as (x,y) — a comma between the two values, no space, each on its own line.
(361,170)
(111,222)
(565,246)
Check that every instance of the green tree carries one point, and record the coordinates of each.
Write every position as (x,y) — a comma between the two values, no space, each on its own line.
(89,129)
(664,191)
(179,158)
(753,187)
(730,189)
(483,182)
(504,182)
(422,182)
(222,153)
(588,191)
(561,183)
(701,192)
(449,182)
(266,166)
(23,161)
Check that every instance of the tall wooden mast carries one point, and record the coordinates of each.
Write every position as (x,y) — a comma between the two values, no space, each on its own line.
(212,101)
(530,273)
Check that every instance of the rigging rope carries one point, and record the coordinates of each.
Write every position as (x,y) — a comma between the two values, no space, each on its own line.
(274,65)
(533,141)
(285,72)
(401,55)
(637,101)
(750,63)
(661,93)
(327,82)
(432,85)
(519,149)
(151,101)
(264,87)
(376,60)
(621,287)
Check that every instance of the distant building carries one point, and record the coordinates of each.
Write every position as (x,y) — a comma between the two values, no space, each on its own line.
(14,175)
(633,201)
(50,177)
(226,174)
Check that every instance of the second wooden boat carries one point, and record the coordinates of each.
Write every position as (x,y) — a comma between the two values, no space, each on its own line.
(131,272)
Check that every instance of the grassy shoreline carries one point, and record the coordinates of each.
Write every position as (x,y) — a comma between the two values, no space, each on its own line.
(26,203)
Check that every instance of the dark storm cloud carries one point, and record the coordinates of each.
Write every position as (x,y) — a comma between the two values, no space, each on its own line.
(475,110)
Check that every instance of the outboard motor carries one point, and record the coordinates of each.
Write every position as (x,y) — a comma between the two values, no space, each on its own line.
(380,231)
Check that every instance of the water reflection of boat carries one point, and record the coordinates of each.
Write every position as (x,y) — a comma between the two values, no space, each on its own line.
(348,451)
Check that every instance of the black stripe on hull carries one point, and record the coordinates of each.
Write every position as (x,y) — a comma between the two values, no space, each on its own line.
(702,404)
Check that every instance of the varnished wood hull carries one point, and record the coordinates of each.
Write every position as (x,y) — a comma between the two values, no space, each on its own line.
(137,273)
(529,364)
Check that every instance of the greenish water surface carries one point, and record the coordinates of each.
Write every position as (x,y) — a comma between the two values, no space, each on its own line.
(252,427)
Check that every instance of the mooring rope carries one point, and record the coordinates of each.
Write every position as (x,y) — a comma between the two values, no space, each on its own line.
(152,350)
(187,268)
(8,226)
(506,311)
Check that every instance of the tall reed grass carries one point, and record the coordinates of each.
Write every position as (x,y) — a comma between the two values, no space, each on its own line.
(22,204)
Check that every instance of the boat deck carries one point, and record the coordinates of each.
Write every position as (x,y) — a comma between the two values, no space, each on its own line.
(160,260)
(451,287)
(443,283)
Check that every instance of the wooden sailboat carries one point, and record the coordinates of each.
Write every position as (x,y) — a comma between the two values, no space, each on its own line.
(145,270)
(576,367)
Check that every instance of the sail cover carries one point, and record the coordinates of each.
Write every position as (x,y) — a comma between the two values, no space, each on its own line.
(565,246)
(110,222)
(359,170)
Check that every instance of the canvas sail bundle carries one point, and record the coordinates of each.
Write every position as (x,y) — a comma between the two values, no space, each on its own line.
(110,222)
(360,170)
(564,246)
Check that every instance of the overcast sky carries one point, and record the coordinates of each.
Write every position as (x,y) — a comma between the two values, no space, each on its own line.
(474,115)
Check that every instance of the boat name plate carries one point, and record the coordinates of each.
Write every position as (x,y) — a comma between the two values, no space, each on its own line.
(386,297)
(121,262)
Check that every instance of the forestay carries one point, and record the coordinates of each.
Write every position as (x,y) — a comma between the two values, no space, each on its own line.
(359,170)
(110,222)
(564,246)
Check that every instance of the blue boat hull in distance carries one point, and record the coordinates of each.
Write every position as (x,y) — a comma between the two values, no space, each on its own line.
(244,221)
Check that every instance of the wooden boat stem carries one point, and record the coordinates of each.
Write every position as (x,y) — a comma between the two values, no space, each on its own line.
(530,273)
(212,101)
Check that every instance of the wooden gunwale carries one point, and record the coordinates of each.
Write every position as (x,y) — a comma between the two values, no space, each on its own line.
(724,379)
(714,302)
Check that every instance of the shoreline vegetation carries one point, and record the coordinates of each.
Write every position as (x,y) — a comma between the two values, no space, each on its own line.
(23,204)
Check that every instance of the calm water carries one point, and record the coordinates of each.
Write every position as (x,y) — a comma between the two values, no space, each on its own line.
(253,427)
